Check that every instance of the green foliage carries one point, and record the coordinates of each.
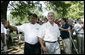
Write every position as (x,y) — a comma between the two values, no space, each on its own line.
(76,9)
(73,9)
(23,8)
(58,6)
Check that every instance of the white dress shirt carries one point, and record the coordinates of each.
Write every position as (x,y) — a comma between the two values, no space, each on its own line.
(77,27)
(30,32)
(2,28)
(48,32)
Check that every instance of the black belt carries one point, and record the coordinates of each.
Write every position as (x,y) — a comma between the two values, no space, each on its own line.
(51,42)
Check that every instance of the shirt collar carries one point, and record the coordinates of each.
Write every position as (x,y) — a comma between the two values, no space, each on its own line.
(50,24)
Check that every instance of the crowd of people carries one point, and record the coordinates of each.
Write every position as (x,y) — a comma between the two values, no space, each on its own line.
(45,34)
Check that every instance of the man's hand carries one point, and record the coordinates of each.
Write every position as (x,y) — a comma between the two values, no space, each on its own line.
(60,28)
(10,26)
(42,44)
(83,26)
(8,23)
(44,49)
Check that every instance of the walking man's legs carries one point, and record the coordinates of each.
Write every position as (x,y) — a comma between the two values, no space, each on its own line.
(67,46)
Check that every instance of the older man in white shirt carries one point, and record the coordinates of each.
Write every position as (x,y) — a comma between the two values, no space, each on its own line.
(48,36)
(79,28)
(30,31)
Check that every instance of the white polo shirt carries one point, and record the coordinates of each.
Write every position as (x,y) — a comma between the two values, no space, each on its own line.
(2,28)
(77,27)
(30,32)
(48,32)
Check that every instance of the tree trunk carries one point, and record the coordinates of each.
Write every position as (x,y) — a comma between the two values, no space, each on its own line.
(4,5)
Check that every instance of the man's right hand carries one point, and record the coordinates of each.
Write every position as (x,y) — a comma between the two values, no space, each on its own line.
(44,49)
(83,26)
(11,27)
(8,23)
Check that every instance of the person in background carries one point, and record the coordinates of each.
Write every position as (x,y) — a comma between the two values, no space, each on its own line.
(79,29)
(65,36)
(45,20)
(57,21)
(3,35)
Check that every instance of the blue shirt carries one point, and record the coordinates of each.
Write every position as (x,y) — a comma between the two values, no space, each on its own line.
(64,34)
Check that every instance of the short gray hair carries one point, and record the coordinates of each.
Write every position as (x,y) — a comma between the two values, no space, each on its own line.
(52,13)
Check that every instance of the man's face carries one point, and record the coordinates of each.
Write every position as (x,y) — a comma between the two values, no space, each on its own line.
(80,21)
(50,17)
(62,21)
(5,23)
(32,19)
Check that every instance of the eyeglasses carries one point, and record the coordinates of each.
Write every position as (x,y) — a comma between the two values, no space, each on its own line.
(50,15)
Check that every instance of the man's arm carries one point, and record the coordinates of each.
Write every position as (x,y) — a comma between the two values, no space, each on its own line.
(58,40)
(76,28)
(12,27)
(42,44)
(63,29)
(81,28)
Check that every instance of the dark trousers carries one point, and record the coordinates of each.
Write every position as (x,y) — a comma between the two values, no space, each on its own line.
(32,49)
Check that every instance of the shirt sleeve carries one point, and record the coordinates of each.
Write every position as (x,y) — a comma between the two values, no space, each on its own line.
(20,28)
(58,31)
(2,28)
(41,32)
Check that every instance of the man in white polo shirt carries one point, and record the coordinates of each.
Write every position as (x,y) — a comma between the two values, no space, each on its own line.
(30,31)
(49,35)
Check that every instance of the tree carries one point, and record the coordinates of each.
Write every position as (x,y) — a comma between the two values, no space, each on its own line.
(21,9)
(76,9)
(73,9)
(4,5)
(60,7)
